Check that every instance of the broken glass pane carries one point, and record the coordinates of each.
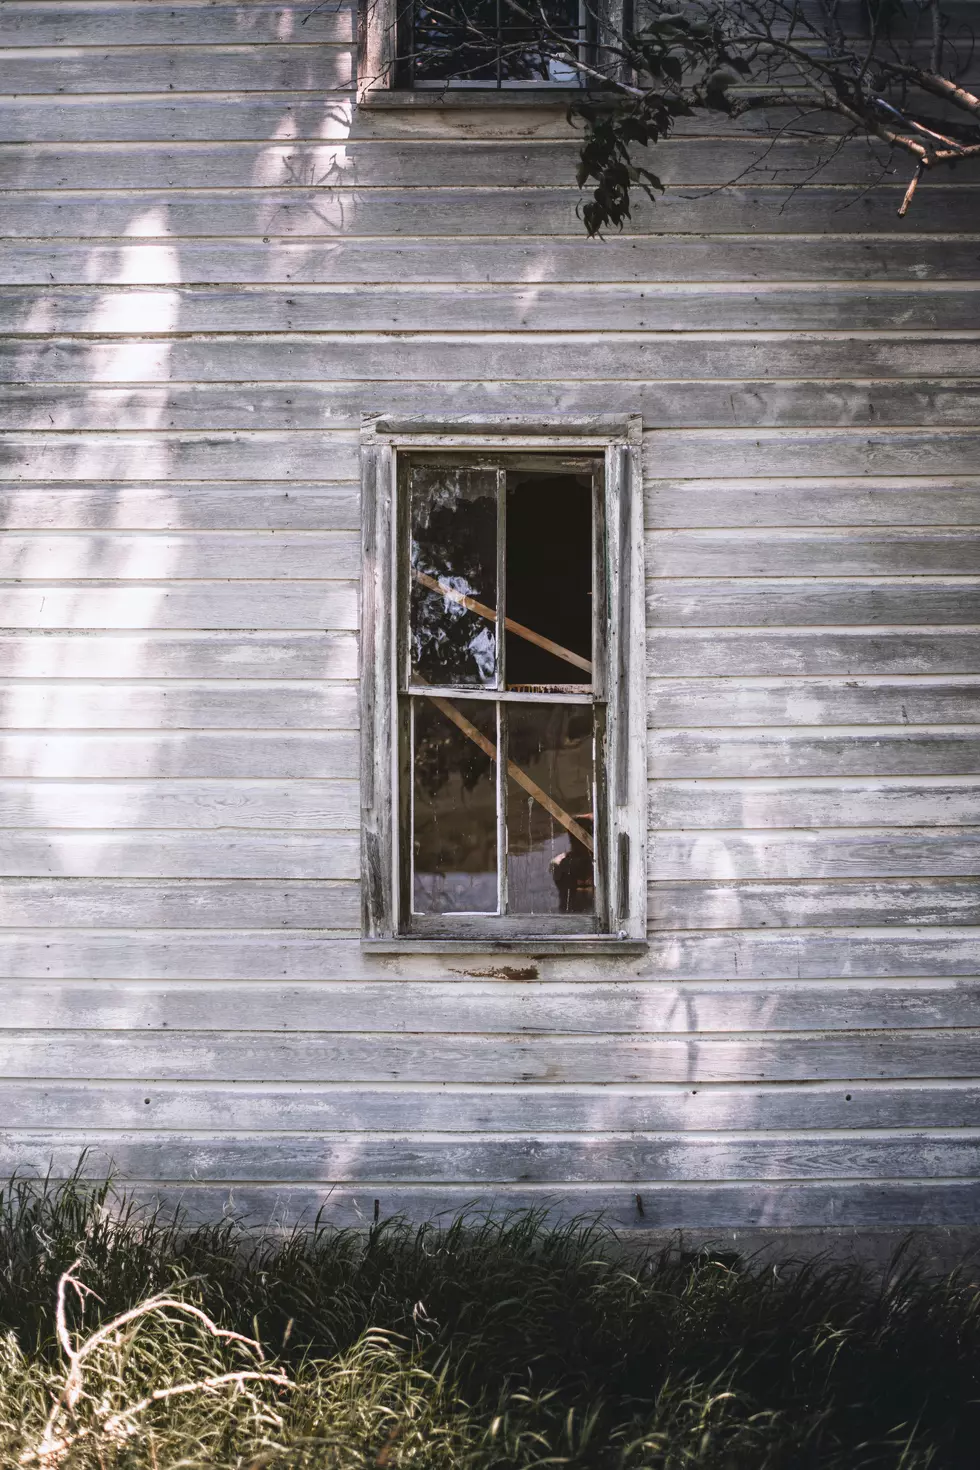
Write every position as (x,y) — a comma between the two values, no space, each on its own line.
(549,579)
(453,574)
(454,806)
(550,809)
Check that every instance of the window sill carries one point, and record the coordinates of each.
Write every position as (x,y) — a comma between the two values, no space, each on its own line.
(573,944)
(473,97)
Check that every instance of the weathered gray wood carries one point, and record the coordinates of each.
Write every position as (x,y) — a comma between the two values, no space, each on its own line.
(192,68)
(497,356)
(570,258)
(213,854)
(507,308)
(790,553)
(894,852)
(119,557)
(710,1207)
(159,910)
(945,501)
(459,162)
(96,1104)
(325,213)
(492,1007)
(219,808)
(932,402)
(821,451)
(827,802)
(640,1159)
(69,705)
(204,753)
(872,751)
(381,1057)
(138,23)
(379,841)
(168,506)
(100,456)
(813,701)
(835,651)
(874,901)
(711,603)
(200,655)
(199,607)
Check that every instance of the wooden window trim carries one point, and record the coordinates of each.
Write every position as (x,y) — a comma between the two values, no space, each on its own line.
(624,851)
(377,55)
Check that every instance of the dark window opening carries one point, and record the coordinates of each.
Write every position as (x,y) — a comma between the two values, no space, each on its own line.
(499,717)
(481,43)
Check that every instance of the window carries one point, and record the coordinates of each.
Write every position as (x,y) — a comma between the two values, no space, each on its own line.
(503,772)
(481,45)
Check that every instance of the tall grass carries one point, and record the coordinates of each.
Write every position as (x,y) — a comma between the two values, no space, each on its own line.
(480,1345)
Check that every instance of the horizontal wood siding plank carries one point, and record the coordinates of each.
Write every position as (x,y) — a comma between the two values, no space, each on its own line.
(930,402)
(143,939)
(492,1007)
(199,607)
(185,755)
(802,650)
(436,359)
(212,854)
(870,751)
(821,451)
(791,553)
(645,259)
(813,701)
(830,802)
(300,456)
(198,655)
(129,506)
(732,602)
(835,853)
(343,1158)
(69,705)
(122,558)
(500,308)
(711,1207)
(138,23)
(219,807)
(94,1104)
(324,213)
(352,1057)
(376,161)
(920,501)
(190,68)
(814,904)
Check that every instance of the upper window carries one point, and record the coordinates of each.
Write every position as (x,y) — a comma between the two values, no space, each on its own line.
(481,43)
(486,44)
(500,742)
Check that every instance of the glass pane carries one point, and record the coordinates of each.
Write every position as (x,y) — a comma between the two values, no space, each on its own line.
(445,47)
(550,805)
(549,579)
(455,806)
(453,574)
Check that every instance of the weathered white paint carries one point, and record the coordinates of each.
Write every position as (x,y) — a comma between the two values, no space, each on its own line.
(216,266)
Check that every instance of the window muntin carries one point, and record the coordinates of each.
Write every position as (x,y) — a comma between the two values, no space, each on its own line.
(437,48)
(500,716)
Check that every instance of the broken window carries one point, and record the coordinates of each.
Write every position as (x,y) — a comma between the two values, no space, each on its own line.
(483,43)
(506,740)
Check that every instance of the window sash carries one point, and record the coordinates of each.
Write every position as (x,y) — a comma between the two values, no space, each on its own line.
(408,48)
(620,706)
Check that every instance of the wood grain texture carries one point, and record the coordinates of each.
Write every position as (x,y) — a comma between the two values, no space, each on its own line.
(841,852)
(239,654)
(829,801)
(644,259)
(190,68)
(814,701)
(829,553)
(919,501)
(169,505)
(346,1158)
(98,456)
(389,1057)
(838,651)
(198,607)
(167,930)
(67,704)
(318,756)
(138,23)
(276,1106)
(493,1007)
(218,853)
(732,602)
(860,750)
(734,905)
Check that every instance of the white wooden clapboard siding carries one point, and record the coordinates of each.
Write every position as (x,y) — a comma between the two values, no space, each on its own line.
(214,265)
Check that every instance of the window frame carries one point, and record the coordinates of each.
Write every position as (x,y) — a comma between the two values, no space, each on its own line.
(621,848)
